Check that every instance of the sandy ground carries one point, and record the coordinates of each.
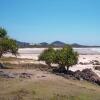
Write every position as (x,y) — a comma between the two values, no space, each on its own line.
(86,59)
(46,84)
(33,53)
(85,56)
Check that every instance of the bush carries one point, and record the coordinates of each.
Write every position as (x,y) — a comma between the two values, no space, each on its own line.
(65,57)
(7,44)
(48,56)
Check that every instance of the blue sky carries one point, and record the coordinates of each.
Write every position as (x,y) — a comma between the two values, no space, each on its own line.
(34,21)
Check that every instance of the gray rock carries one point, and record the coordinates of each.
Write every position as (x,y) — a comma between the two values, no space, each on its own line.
(97,68)
(1,65)
(25,75)
(6,75)
(87,74)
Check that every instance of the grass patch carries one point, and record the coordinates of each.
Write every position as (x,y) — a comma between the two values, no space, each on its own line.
(47,90)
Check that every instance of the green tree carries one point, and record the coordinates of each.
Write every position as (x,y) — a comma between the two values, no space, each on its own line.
(66,57)
(48,56)
(7,44)
(3,33)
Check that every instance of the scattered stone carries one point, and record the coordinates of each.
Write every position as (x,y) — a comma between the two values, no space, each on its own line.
(43,76)
(95,62)
(2,66)
(6,75)
(14,75)
(25,75)
(84,63)
(97,68)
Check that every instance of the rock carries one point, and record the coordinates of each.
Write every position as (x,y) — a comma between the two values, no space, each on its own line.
(78,74)
(43,76)
(87,74)
(7,75)
(95,62)
(1,72)
(84,63)
(14,75)
(25,75)
(1,65)
(97,68)
(98,81)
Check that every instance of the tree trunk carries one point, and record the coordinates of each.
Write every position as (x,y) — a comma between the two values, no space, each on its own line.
(67,69)
(62,69)
(49,64)
(0,55)
(1,65)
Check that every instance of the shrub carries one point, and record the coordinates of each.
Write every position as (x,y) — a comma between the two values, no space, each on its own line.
(48,56)
(7,44)
(65,57)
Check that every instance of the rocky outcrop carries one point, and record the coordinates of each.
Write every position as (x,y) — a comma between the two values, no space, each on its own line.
(87,74)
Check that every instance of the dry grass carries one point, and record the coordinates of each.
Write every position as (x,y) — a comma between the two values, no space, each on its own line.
(57,89)
(49,88)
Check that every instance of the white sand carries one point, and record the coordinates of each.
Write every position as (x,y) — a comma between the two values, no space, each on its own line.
(86,55)
(86,59)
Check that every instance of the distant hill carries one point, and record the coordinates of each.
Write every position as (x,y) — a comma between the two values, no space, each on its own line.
(53,44)
(23,44)
(61,44)
(44,44)
(82,46)
(58,44)
(78,45)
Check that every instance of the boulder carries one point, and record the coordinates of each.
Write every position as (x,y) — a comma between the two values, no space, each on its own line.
(87,74)
(97,68)
(1,65)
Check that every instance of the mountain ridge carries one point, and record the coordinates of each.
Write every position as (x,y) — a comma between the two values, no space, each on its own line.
(53,44)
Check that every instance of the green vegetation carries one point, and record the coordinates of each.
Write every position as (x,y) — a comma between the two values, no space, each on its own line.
(65,57)
(7,44)
(48,56)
